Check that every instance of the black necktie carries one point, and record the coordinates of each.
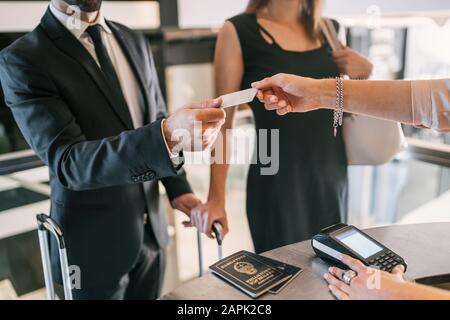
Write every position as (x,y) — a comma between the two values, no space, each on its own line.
(106,64)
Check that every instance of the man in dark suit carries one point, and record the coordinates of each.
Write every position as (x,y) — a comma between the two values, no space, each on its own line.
(85,94)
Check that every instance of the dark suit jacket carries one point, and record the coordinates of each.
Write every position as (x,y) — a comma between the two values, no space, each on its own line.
(103,174)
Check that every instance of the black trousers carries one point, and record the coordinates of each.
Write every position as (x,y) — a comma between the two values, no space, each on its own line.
(143,282)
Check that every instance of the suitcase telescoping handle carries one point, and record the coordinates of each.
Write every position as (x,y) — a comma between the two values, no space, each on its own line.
(45,226)
(217,230)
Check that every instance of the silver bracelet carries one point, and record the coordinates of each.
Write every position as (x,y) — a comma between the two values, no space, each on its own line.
(338,113)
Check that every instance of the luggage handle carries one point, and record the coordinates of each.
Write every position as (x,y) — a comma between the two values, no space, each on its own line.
(217,230)
(45,226)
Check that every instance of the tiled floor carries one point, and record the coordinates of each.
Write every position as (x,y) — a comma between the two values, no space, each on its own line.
(7,291)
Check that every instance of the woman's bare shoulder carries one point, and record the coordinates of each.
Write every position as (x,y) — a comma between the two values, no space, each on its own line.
(228,38)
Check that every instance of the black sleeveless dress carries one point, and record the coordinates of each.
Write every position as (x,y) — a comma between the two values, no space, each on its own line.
(309,191)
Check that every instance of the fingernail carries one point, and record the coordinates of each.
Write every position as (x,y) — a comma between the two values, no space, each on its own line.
(216,101)
(341,257)
(255,84)
(325,276)
(273,99)
(330,269)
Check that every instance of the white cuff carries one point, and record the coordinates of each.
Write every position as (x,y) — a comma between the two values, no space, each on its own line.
(173,156)
(431,103)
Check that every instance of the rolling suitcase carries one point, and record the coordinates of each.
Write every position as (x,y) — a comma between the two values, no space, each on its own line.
(217,230)
(47,226)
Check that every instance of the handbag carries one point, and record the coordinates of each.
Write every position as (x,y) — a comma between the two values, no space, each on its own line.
(368,141)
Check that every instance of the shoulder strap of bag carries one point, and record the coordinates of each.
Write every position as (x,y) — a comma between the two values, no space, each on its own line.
(330,33)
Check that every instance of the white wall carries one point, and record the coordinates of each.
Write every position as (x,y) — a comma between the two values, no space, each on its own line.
(359,7)
(212,13)
(207,13)
(25,15)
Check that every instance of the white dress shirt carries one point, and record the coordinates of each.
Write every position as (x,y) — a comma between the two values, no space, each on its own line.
(123,70)
(127,80)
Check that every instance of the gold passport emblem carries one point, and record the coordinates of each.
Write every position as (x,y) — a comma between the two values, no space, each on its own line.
(245,267)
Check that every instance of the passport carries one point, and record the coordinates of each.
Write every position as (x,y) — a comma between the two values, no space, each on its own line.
(252,273)
(293,271)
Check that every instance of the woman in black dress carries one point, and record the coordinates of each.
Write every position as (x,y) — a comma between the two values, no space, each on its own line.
(281,36)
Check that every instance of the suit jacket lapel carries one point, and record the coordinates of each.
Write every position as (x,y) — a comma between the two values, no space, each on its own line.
(66,42)
(133,60)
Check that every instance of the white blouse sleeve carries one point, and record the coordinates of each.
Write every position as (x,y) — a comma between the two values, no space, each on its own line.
(431,103)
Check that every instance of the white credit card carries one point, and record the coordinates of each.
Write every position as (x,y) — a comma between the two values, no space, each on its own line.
(239,97)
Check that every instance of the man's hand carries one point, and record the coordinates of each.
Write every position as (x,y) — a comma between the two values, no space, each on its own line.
(194,127)
(204,215)
(186,202)
(352,63)
(289,93)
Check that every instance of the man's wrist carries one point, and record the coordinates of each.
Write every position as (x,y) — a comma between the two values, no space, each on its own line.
(166,137)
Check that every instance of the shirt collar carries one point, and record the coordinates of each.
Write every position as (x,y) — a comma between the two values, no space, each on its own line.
(76,26)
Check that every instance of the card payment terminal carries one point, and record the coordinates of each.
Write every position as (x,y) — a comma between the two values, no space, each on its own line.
(342,238)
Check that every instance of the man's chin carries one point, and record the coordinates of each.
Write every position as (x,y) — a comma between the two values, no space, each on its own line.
(86,5)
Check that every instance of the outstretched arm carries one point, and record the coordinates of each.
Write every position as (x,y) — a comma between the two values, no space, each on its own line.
(79,163)
(422,103)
